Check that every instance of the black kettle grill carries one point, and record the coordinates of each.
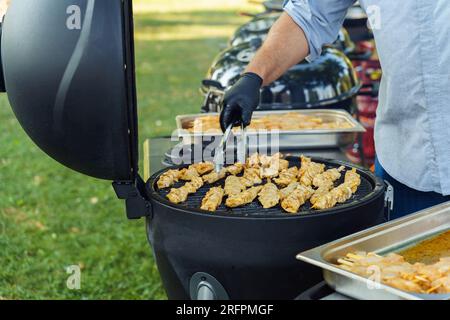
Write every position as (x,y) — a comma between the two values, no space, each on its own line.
(330,81)
(69,75)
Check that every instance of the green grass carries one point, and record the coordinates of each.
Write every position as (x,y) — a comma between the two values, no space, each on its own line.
(51,218)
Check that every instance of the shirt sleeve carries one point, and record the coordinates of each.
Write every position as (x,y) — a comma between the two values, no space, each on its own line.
(320,20)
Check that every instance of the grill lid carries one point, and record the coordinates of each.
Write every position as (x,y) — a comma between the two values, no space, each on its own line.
(69,74)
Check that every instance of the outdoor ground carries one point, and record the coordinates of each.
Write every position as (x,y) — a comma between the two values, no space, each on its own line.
(51,218)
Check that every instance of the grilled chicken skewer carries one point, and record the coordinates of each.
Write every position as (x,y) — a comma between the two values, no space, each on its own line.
(330,175)
(196,170)
(286,192)
(168,179)
(269,196)
(272,166)
(341,193)
(286,177)
(233,186)
(297,198)
(251,177)
(179,195)
(216,176)
(325,183)
(243,198)
(213,199)
(309,170)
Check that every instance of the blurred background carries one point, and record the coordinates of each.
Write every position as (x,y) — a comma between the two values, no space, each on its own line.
(51,218)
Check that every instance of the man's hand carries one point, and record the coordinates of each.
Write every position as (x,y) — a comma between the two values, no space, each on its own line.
(241,100)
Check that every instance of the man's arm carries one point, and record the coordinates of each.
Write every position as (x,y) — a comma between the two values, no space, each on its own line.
(300,33)
(285,46)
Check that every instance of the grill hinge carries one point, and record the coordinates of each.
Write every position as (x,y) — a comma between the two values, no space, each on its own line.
(133,192)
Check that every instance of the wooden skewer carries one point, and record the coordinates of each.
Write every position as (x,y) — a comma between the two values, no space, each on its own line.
(354,256)
(345,262)
(434,288)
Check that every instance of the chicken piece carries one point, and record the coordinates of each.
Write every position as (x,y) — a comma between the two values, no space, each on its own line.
(272,166)
(195,184)
(284,193)
(329,175)
(353,180)
(286,177)
(243,198)
(253,161)
(233,186)
(269,195)
(203,167)
(187,174)
(235,169)
(297,198)
(168,179)
(264,161)
(321,191)
(251,177)
(309,170)
(213,199)
(405,285)
(213,177)
(179,195)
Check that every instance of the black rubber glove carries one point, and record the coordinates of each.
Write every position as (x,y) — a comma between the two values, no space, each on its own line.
(241,100)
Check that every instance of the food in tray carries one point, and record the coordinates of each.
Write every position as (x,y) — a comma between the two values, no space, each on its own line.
(269,196)
(291,188)
(179,195)
(393,270)
(340,194)
(243,198)
(213,199)
(168,179)
(291,121)
(430,250)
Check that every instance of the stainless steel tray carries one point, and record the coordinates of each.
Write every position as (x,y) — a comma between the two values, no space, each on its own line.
(328,138)
(390,237)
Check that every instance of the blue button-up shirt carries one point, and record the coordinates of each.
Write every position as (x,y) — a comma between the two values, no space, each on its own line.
(412,131)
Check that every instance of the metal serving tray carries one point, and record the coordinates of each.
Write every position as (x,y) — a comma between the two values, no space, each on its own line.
(390,237)
(311,139)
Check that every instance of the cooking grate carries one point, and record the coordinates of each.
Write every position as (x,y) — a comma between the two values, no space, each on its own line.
(255,209)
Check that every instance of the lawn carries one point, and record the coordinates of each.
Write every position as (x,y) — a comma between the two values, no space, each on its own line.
(51,218)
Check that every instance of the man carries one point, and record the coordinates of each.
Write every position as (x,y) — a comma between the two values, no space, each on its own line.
(412,132)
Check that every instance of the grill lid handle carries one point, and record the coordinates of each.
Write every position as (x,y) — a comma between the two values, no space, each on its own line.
(70,81)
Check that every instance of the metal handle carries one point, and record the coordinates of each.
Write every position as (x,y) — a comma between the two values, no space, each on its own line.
(388,200)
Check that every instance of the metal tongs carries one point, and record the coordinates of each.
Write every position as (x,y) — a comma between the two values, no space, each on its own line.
(219,156)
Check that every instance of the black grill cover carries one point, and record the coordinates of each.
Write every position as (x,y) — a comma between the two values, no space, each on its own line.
(69,75)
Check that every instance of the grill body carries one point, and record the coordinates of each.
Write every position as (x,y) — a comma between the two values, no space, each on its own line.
(251,255)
